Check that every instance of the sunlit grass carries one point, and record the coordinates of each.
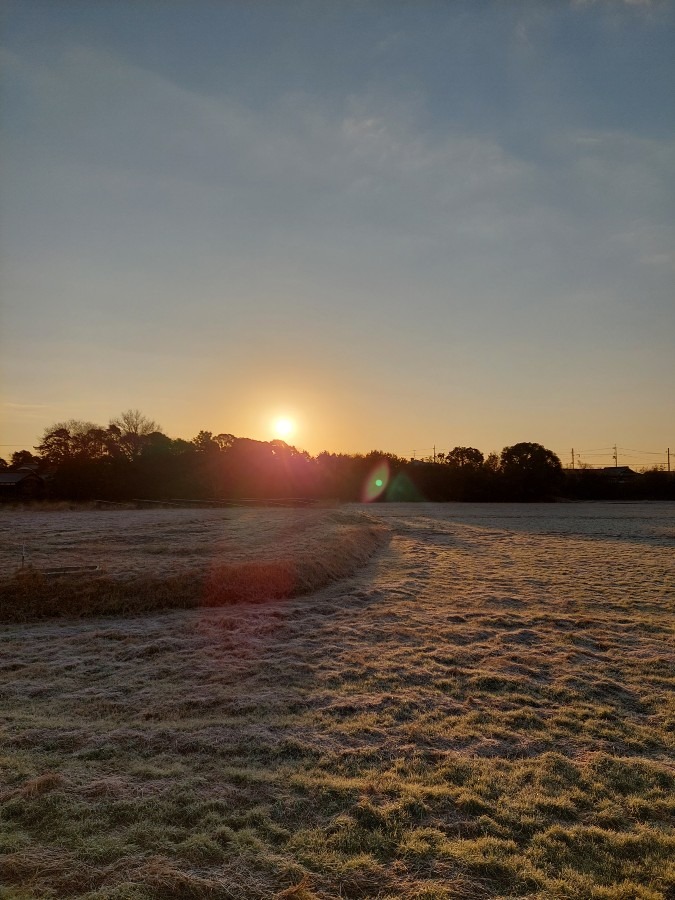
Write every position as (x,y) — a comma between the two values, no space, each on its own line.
(391,736)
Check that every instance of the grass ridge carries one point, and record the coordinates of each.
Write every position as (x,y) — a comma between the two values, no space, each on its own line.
(29,595)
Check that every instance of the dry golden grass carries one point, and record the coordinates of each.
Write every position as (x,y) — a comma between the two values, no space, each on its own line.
(485,710)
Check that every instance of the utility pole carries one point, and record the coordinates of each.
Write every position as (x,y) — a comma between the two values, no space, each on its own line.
(668,459)
(616,457)
(572,457)
(434,452)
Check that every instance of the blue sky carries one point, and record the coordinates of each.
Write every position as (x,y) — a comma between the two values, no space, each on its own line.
(402,224)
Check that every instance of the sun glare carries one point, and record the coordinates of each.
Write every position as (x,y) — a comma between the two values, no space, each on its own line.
(283,428)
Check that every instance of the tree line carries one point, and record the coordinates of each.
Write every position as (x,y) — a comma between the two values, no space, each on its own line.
(132,458)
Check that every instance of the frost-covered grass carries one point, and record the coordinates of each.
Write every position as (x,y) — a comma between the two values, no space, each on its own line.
(486,710)
(145,560)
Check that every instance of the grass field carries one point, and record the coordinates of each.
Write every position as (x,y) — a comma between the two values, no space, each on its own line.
(84,562)
(484,709)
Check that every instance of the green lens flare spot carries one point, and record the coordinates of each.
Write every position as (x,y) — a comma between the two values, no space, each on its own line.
(376,482)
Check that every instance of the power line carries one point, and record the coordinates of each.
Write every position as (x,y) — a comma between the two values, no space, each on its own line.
(654,452)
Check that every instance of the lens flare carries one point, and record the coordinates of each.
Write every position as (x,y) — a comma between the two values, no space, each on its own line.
(376,483)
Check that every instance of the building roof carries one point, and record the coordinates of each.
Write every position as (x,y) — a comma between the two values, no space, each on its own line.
(10,478)
(607,471)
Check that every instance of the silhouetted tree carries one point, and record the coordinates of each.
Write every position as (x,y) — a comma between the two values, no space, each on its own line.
(493,463)
(132,421)
(464,457)
(204,443)
(22,458)
(91,444)
(133,428)
(57,446)
(75,437)
(531,472)
(74,426)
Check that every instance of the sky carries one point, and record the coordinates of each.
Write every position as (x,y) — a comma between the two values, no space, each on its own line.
(399,224)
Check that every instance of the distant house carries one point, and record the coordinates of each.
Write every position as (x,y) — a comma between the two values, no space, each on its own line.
(23,484)
(610,474)
(619,474)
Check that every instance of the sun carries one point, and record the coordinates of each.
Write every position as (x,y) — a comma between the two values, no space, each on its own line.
(284,427)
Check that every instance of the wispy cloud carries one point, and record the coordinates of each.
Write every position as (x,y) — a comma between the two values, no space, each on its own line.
(25,406)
